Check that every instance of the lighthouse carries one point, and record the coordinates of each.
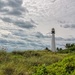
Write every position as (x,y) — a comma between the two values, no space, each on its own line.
(53,45)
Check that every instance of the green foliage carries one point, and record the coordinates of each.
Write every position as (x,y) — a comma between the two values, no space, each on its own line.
(68,45)
(37,63)
(41,71)
(59,49)
(69,50)
(64,67)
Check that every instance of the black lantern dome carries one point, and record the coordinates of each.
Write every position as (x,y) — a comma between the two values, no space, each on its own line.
(53,31)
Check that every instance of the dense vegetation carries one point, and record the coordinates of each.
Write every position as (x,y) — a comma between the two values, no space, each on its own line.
(39,62)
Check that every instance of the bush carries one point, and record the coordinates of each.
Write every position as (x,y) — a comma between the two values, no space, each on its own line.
(65,67)
(41,71)
(70,68)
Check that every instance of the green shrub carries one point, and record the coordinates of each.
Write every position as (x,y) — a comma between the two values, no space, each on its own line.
(69,68)
(41,71)
(64,67)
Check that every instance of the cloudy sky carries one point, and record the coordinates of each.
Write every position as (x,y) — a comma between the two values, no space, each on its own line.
(27,24)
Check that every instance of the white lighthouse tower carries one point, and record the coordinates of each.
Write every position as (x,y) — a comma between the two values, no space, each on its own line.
(53,45)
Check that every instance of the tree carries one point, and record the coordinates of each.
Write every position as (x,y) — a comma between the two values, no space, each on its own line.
(59,49)
(46,48)
(68,45)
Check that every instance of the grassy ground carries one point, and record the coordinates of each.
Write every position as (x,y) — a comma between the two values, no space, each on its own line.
(28,62)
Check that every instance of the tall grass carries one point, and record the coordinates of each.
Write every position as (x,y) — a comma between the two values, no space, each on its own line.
(25,62)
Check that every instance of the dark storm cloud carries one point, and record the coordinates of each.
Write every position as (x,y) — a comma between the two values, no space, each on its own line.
(15,8)
(20,23)
(4,11)
(15,12)
(2,4)
(15,5)
(10,41)
(7,19)
(23,24)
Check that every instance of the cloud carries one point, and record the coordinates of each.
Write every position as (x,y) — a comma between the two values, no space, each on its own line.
(40,35)
(17,8)
(18,11)
(23,40)
(64,39)
(2,4)
(17,17)
(15,12)
(7,19)
(12,7)
(15,3)
(11,10)
(20,39)
(68,26)
(25,24)
(59,39)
